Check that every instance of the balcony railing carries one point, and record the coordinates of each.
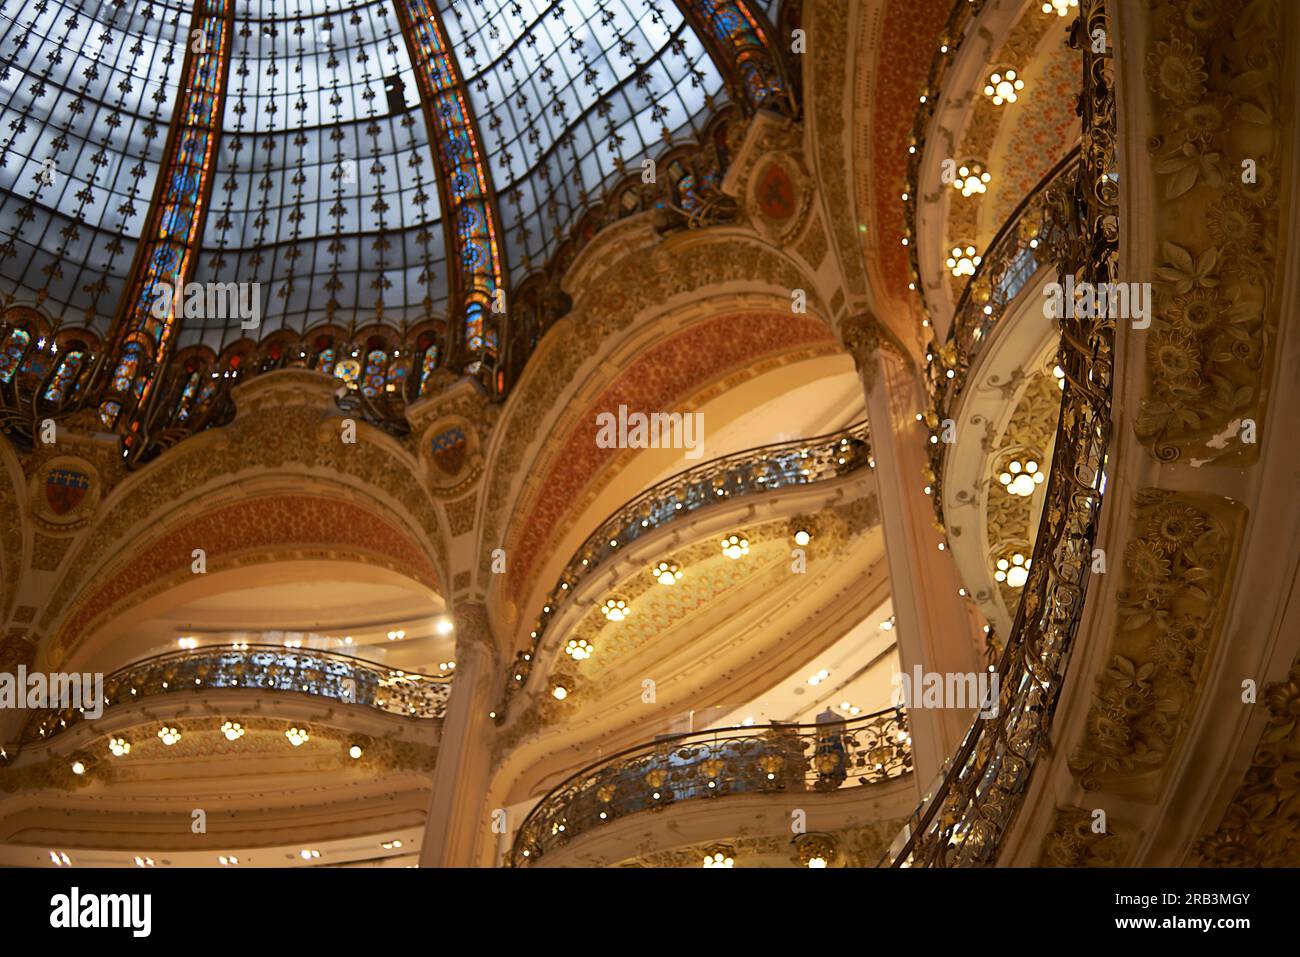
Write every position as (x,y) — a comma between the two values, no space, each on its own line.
(767,468)
(964,821)
(1027,241)
(960,23)
(781,758)
(264,668)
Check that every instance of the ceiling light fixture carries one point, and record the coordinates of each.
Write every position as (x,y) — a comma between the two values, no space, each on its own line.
(169,735)
(962,262)
(297,736)
(615,609)
(1014,572)
(119,747)
(1060,7)
(1021,480)
(667,572)
(736,546)
(972,178)
(579,649)
(233,730)
(1003,87)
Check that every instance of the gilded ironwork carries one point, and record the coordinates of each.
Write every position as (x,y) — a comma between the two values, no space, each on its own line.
(1027,242)
(960,18)
(964,820)
(767,468)
(322,674)
(781,758)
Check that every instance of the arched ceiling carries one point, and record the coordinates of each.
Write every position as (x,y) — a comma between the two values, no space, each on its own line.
(663,377)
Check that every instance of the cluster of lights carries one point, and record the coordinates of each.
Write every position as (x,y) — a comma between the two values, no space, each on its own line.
(239,645)
(145,862)
(448,665)
(962,262)
(579,649)
(227,860)
(1059,375)
(308,854)
(1060,7)
(718,859)
(667,573)
(293,642)
(60,859)
(188,642)
(615,609)
(972,179)
(391,845)
(397,635)
(297,736)
(119,747)
(1014,572)
(1003,86)
(819,677)
(169,735)
(735,547)
(1021,480)
(233,730)
(851,708)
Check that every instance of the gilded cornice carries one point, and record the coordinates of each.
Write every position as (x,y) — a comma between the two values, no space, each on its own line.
(269,437)
(829,28)
(202,740)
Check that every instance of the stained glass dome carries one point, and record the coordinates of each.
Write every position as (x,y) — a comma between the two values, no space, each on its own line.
(399,165)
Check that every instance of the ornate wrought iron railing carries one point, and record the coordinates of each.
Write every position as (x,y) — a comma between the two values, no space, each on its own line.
(754,471)
(781,758)
(1025,243)
(970,811)
(324,674)
(955,28)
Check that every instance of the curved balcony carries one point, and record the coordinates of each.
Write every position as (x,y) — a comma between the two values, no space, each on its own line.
(1031,239)
(265,668)
(816,758)
(962,822)
(767,468)
(961,19)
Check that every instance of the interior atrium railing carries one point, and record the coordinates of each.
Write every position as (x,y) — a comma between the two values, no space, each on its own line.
(966,817)
(780,758)
(1025,243)
(324,674)
(767,468)
(955,28)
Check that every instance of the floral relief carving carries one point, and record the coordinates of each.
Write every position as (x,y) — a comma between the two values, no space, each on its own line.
(1074,841)
(1261,827)
(1212,71)
(1178,563)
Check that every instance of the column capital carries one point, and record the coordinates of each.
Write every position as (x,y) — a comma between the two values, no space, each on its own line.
(473,631)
